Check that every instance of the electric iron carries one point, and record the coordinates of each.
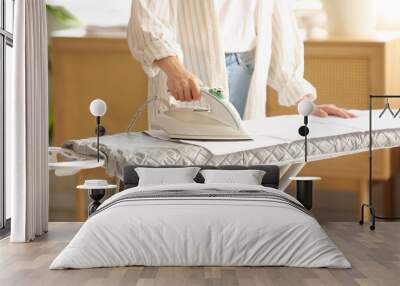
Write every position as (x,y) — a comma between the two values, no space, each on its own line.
(218,121)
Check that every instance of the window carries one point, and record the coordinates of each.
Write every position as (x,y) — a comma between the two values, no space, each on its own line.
(6,43)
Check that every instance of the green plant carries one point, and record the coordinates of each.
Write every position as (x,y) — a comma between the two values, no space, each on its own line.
(59,18)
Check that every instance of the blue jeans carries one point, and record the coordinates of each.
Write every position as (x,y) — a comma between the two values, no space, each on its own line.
(240,67)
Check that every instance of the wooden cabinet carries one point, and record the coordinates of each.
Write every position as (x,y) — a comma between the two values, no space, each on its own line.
(85,68)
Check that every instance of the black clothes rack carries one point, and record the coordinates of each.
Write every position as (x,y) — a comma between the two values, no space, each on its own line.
(370,179)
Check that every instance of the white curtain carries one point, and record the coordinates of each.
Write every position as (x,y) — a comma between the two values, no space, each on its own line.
(27,125)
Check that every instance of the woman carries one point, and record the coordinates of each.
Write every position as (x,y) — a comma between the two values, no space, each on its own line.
(240,45)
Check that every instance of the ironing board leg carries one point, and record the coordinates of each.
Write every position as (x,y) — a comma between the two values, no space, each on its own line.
(288,171)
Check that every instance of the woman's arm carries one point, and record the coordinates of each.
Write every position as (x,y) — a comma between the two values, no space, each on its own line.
(152,42)
(286,73)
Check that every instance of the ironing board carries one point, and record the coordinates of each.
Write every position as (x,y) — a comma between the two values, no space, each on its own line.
(277,142)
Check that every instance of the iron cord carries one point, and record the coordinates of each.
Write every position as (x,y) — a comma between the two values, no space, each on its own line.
(136,115)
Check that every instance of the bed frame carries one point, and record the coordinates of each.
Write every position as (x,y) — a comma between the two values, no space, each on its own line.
(270,179)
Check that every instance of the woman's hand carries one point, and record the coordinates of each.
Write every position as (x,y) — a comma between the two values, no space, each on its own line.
(325,110)
(182,84)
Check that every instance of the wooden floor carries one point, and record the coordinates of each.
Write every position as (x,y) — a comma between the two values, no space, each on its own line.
(375,257)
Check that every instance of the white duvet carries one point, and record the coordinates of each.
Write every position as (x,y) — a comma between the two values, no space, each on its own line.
(202,231)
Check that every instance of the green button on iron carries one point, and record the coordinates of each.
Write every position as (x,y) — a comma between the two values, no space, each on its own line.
(217,93)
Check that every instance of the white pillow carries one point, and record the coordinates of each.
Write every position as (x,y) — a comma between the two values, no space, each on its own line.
(245,177)
(166,176)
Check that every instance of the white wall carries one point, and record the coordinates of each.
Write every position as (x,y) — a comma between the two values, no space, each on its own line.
(389,14)
(116,12)
(98,12)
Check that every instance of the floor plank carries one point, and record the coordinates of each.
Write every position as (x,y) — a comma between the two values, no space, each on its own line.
(375,257)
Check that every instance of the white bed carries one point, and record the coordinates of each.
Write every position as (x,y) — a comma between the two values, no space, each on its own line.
(199,225)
